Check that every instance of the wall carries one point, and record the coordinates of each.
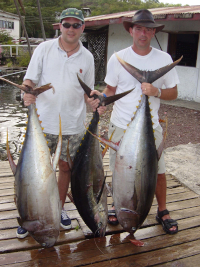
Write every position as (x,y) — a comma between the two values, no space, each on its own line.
(189,87)
(119,38)
(15,33)
(188,77)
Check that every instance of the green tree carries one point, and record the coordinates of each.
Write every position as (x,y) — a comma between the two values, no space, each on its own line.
(51,10)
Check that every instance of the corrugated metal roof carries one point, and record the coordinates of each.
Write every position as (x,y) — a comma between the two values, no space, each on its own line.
(163,13)
(154,11)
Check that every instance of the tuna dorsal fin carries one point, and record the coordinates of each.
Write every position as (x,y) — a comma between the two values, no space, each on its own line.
(147,76)
(10,159)
(101,191)
(58,148)
(104,101)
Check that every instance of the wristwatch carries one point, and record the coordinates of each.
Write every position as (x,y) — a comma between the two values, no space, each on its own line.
(159,93)
(22,96)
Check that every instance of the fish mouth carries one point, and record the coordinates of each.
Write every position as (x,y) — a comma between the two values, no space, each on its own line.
(100,232)
(45,237)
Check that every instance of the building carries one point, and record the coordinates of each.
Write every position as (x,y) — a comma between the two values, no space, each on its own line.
(10,23)
(105,35)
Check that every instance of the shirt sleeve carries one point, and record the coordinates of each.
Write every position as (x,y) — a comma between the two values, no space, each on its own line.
(34,69)
(112,75)
(89,77)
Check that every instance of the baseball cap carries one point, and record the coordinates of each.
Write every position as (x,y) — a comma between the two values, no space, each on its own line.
(72,13)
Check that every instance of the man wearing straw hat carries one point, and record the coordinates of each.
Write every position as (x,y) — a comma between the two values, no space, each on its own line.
(144,57)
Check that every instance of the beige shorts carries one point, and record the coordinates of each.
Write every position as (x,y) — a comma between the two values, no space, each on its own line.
(119,132)
(74,141)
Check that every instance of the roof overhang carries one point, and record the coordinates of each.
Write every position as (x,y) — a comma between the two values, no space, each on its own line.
(188,13)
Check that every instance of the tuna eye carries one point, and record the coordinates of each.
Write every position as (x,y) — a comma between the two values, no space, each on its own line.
(100,224)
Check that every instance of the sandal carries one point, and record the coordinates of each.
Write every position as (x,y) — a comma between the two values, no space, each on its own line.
(112,213)
(168,223)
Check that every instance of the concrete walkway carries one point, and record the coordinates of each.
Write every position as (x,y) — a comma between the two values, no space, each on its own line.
(182,103)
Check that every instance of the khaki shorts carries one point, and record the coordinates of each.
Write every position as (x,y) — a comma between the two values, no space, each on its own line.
(119,132)
(74,141)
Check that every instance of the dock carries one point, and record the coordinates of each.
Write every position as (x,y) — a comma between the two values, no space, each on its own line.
(78,247)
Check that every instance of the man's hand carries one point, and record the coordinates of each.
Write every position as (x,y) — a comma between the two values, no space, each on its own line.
(149,89)
(29,99)
(94,103)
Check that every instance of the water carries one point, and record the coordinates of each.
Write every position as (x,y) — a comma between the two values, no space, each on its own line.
(13,116)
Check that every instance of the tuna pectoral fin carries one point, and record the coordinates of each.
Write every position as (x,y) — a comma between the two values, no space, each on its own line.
(30,226)
(128,210)
(114,146)
(58,148)
(162,144)
(101,191)
(10,159)
(106,147)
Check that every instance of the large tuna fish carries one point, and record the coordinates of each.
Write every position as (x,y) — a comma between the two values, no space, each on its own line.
(87,180)
(36,190)
(135,173)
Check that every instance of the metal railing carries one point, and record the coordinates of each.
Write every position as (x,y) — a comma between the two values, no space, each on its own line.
(14,49)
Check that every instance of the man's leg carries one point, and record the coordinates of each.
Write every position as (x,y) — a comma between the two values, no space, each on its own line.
(161,191)
(64,177)
(63,180)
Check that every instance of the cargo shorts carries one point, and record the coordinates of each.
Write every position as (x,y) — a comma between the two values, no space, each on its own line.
(117,135)
(74,142)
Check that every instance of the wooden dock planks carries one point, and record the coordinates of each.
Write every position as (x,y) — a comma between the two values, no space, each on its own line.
(77,247)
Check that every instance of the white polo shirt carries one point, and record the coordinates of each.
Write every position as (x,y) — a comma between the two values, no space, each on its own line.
(50,64)
(124,108)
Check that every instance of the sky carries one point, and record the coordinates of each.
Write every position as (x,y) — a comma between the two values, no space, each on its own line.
(183,2)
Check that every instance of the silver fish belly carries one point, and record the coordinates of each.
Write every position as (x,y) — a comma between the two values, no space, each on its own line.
(36,190)
(135,174)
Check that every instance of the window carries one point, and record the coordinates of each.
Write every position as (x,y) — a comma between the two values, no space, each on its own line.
(185,45)
(6,24)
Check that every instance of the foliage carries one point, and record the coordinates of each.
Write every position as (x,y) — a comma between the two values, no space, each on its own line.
(51,10)
(5,38)
(23,58)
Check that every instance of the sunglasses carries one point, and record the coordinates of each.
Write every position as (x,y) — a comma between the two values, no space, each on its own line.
(68,25)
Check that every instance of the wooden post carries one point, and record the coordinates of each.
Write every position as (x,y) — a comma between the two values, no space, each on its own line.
(24,28)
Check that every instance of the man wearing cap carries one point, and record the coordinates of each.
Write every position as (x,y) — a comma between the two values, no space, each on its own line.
(58,62)
(144,57)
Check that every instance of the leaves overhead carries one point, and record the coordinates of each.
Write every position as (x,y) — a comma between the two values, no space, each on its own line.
(51,10)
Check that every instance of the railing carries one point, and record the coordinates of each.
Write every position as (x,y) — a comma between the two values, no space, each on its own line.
(14,49)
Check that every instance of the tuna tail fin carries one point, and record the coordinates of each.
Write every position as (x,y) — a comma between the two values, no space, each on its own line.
(28,89)
(10,159)
(147,76)
(104,101)
(58,148)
